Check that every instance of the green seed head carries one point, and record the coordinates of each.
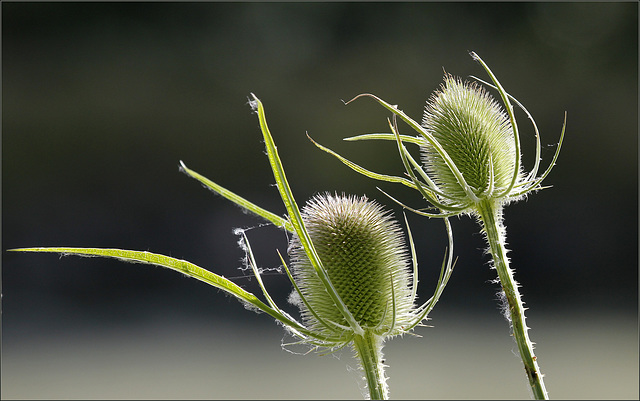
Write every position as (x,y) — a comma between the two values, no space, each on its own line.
(476,133)
(363,251)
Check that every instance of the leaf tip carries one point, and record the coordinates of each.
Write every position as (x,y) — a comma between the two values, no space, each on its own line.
(253,102)
(358,96)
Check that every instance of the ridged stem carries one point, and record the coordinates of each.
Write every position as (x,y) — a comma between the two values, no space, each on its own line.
(491,215)
(368,348)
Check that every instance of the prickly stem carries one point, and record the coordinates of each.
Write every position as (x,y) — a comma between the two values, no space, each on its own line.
(490,215)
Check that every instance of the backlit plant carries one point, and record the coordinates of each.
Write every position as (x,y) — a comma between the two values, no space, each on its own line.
(354,278)
(471,164)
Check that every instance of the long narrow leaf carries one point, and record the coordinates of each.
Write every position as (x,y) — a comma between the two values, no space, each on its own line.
(178,265)
(256,272)
(414,261)
(426,193)
(238,200)
(534,183)
(355,167)
(512,118)
(296,217)
(445,273)
(304,300)
(536,165)
(422,213)
(385,137)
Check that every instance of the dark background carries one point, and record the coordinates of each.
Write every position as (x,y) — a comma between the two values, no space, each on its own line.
(102,100)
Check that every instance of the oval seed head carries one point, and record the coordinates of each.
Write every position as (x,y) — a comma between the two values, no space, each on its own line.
(363,251)
(476,133)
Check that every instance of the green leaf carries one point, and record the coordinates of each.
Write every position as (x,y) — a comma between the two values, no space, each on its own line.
(238,200)
(357,168)
(405,156)
(514,125)
(296,217)
(178,265)
(385,137)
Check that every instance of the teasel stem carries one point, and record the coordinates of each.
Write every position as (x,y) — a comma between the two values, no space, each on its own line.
(490,214)
(368,348)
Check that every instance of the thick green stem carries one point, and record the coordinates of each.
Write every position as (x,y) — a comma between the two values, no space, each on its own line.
(368,348)
(491,216)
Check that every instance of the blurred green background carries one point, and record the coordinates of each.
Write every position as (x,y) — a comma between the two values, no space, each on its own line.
(102,100)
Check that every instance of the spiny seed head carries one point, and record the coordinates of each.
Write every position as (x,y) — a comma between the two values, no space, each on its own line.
(476,133)
(363,251)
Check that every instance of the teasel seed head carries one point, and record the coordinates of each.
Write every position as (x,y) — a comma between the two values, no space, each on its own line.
(475,131)
(364,253)
(470,148)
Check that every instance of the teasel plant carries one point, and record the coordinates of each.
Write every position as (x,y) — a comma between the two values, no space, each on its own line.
(354,278)
(470,165)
